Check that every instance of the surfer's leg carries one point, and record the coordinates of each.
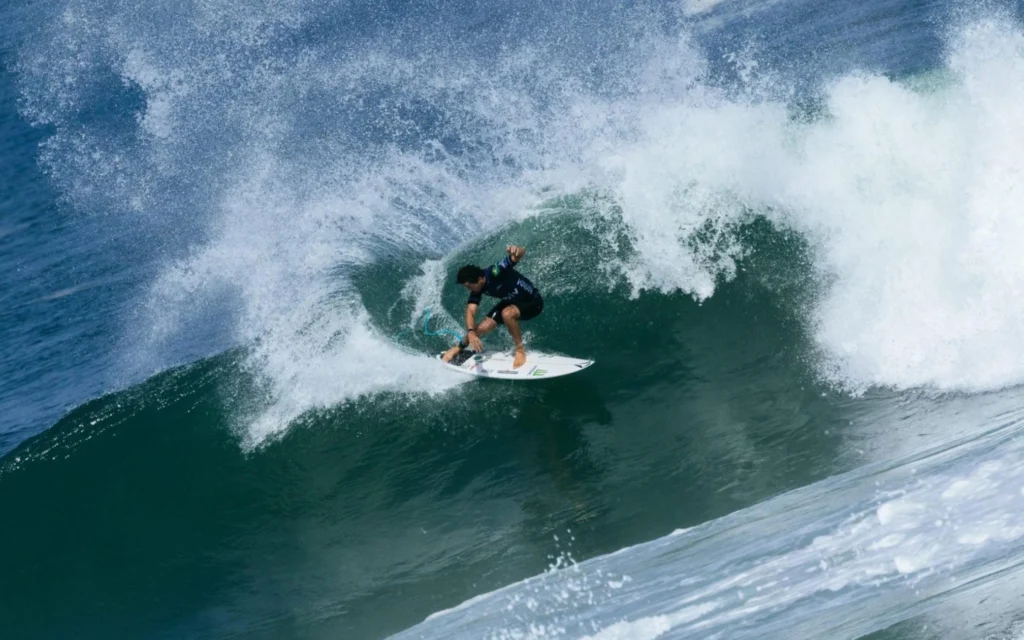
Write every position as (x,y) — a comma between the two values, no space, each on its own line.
(482,329)
(485,327)
(510,316)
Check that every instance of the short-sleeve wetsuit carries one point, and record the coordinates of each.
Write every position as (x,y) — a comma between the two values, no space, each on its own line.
(512,287)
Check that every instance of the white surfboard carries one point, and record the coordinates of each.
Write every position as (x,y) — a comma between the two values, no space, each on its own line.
(498,364)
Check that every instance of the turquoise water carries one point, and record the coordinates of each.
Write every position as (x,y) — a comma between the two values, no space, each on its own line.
(785,231)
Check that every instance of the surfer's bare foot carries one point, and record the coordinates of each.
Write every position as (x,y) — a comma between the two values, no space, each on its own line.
(451,353)
(520,358)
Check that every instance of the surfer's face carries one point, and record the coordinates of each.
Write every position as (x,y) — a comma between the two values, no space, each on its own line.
(475,287)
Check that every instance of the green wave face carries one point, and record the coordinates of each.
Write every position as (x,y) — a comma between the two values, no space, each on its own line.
(361,519)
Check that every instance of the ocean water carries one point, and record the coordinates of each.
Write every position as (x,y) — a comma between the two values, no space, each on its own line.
(787,231)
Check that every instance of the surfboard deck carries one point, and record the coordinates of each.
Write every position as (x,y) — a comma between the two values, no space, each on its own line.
(498,364)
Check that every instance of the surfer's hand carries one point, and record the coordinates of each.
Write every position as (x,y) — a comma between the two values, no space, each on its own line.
(451,353)
(516,252)
(474,341)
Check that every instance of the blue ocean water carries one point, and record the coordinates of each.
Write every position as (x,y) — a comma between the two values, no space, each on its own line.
(786,231)
(48,329)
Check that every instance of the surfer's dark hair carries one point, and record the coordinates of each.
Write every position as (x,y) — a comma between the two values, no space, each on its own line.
(469,273)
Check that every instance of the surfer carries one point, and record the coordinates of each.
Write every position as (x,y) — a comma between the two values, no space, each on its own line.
(519,300)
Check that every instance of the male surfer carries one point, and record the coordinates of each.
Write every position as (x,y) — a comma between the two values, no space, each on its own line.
(519,300)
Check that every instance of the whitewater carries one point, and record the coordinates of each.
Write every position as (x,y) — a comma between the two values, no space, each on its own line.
(841,558)
(905,191)
(909,194)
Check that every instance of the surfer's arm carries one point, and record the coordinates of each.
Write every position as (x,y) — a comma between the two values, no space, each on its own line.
(471,308)
(471,339)
(515,254)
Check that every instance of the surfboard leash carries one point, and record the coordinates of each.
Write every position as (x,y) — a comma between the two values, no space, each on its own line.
(440,332)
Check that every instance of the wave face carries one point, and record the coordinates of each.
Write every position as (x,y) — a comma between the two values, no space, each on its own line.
(841,558)
(787,234)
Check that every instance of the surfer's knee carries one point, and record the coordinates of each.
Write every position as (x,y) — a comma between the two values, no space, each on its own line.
(509,313)
(485,326)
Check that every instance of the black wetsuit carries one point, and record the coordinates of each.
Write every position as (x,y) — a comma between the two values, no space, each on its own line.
(503,281)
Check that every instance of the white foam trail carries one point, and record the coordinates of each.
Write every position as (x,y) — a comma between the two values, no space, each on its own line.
(838,559)
(425,290)
(312,342)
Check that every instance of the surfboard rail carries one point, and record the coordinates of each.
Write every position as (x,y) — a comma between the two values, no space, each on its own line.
(498,364)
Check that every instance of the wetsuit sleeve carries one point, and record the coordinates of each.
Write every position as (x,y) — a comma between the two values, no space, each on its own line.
(475,298)
(496,271)
(505,264)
